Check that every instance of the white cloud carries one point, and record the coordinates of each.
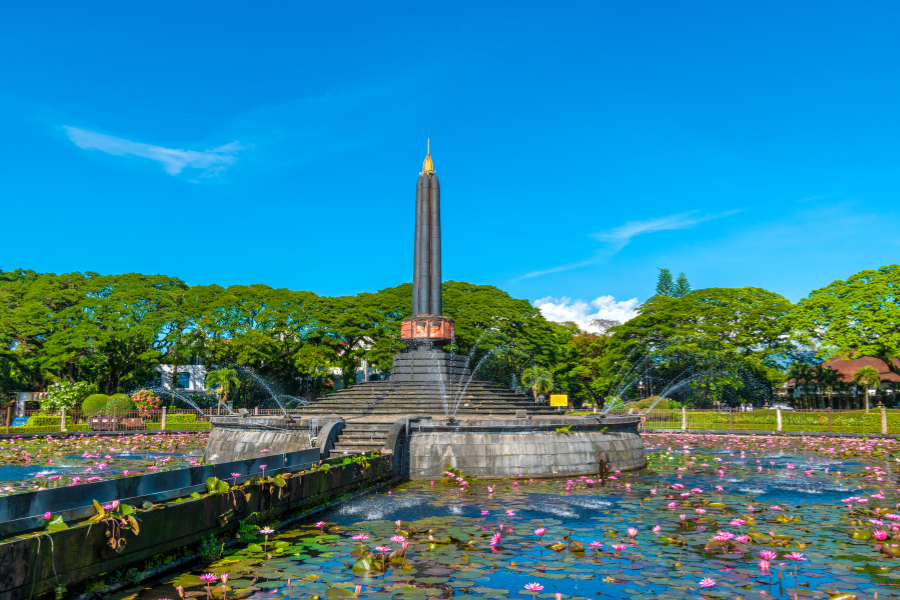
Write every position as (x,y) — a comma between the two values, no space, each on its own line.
(619,237)
(582,313)
(174,160)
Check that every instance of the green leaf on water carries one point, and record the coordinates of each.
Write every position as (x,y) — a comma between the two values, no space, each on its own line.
(56,523)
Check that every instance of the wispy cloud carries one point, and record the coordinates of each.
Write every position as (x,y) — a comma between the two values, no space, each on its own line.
(173,160)
(621,236)
(618,237)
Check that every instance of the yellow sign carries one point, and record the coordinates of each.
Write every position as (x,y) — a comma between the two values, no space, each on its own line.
(559,399)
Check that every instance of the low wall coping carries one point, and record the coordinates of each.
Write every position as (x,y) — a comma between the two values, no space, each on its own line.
(22,512)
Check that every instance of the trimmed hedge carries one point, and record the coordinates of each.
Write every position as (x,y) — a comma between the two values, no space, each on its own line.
(46,421)
(94,403)
(119,402)
(181,418)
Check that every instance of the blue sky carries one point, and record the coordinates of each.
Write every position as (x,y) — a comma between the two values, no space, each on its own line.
(580,145)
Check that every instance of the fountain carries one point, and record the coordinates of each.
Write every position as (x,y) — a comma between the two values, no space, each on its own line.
(433,411)
(174,395)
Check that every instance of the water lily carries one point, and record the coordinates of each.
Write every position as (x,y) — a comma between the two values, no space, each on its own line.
(266,531)
(534,588)
(208,578)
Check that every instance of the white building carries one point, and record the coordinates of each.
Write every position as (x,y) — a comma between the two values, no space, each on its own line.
(190,378)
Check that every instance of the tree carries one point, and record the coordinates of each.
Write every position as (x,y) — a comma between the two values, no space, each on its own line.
(664,285)
(682,286)
(67,395)
(722,337)
(854,318)
(605,325)
(585,366)
(867,377)
(222,381)
(539,379)
(803,375)
(828,378)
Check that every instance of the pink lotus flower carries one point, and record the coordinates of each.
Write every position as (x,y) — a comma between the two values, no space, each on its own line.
(534,588)
(656,529)
(707,582)
(768,555)
(595,545)
(383,549)
(47,515)
(320,524)
(540,531)
(632,532)
(484,513)
(764,566)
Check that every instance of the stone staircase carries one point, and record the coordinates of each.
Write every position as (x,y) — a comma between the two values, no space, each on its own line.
(481,399)
(359,438)
(371,408)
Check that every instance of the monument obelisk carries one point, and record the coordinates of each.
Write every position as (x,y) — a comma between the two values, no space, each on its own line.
(427,326)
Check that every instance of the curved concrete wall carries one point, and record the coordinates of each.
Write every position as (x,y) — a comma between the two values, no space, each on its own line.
(499,449)
(235,438)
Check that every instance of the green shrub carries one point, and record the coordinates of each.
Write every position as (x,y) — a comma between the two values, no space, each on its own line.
(94,403)
(119,402)
(181,419)
(47,421)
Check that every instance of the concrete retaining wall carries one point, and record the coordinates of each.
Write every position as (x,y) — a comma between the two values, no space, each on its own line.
(234,438)
(31,564)
(498,449)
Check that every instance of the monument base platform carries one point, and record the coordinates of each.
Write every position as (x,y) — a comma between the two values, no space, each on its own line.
(423,365)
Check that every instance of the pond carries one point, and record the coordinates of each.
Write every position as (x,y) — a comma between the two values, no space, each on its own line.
(692,525)
(28,464)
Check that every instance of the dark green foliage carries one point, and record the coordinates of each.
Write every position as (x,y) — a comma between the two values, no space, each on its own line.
(94,403)
(664,284)
(682,286)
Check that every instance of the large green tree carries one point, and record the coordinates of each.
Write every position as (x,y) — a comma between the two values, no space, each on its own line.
(856,317)
(721,336)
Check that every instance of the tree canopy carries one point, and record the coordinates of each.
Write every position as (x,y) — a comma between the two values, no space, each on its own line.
(113,330)
(856,317)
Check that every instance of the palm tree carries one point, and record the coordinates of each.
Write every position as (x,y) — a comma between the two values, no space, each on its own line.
(539,379)
(802,375)
(866,377)
(221,382)
(828,378)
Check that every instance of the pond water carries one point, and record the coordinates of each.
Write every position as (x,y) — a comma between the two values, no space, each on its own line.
(36,463)
(789,498)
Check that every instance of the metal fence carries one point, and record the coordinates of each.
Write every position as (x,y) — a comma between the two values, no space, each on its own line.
(75,421)
(878,420)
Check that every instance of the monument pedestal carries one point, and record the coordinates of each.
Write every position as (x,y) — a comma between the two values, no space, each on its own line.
(424,365)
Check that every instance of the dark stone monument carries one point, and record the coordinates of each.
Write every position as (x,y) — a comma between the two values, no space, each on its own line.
(427,327)
(427,330)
